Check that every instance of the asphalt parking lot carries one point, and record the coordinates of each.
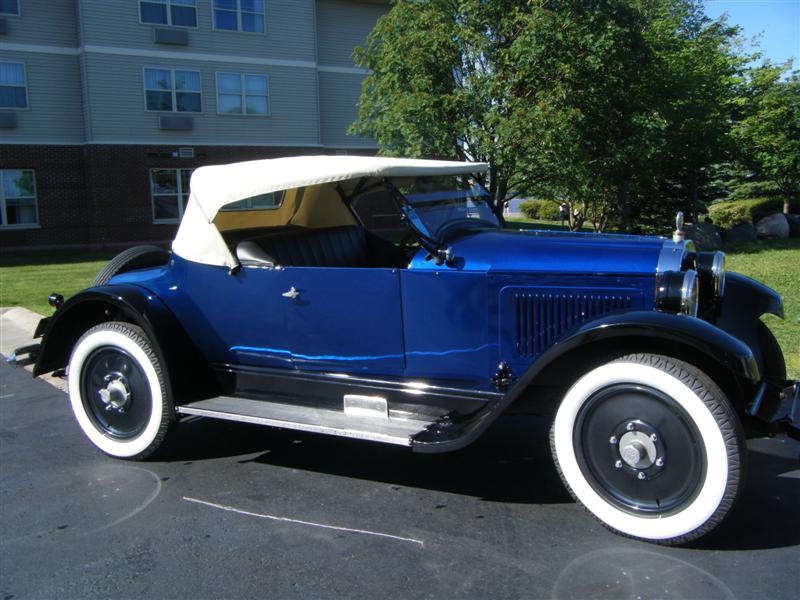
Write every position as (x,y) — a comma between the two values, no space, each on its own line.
(235,510)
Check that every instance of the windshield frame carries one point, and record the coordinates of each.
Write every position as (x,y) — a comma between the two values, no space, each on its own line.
(434,241)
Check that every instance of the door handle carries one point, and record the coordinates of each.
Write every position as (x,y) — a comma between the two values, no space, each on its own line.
(292,293)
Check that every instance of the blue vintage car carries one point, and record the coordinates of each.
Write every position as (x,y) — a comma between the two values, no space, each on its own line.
(382,299)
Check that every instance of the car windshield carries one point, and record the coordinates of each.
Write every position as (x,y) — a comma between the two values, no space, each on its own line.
(435,204)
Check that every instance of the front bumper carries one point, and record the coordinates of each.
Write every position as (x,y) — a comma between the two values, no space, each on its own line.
(777,403)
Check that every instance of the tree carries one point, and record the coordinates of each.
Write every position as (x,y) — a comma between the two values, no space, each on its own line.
(769,130)
(615,107)
(544,92)
(697,78)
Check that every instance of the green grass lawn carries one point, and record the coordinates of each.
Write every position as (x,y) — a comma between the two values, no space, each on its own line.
(28,277)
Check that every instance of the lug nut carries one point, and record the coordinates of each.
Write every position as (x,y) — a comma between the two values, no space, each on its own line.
(641,475)
(612,439)
(618,464)
(659,462)
(653,437)
(630,426)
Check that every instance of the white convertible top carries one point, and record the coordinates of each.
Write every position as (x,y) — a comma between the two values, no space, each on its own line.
(214,187)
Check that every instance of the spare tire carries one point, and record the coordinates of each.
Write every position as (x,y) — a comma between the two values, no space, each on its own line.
(138,257)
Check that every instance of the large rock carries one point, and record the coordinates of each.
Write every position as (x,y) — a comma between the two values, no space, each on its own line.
(794,225)
(743,232)
(773,226)
(705,236)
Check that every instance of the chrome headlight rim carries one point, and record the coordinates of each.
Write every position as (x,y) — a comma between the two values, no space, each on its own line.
(718,273)
(711,266)
(690,293)
(678,292)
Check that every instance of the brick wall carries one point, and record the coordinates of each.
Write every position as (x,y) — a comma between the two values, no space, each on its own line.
(61,194)
(100,194)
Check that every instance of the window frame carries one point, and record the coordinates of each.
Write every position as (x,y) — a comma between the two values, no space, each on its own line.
(173,90)
(169,16)
(4,224)
(279,195)
(16,14)
(179,192)
(243,94)
(238,19)
(25,78)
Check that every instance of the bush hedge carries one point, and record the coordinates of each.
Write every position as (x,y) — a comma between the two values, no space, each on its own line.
(728,214)
(540,210)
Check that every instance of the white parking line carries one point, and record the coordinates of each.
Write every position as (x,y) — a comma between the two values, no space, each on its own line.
(299,522)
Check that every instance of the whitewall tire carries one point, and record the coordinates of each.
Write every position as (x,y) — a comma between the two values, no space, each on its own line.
(118,392)
(651,447)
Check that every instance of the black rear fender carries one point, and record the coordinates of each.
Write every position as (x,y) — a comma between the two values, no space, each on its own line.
(188,374)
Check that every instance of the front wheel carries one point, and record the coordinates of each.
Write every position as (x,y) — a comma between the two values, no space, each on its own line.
(651,447)
(118,391)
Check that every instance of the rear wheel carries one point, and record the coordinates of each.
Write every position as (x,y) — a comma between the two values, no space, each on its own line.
(651,447)
(138,257)
(118,392)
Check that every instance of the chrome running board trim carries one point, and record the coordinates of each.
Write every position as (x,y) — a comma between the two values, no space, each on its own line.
(302,418)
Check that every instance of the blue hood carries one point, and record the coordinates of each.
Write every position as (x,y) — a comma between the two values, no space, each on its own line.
(532,251)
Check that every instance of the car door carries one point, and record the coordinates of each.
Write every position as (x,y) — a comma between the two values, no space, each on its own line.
(234,318)
(344,320)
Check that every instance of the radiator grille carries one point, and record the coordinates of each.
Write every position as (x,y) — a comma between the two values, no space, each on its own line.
(542,318)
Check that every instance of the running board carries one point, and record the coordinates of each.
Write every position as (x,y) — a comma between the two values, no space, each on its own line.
(304,418)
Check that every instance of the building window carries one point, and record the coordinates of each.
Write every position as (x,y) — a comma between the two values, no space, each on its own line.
(262,202)
(172,91)
(13,90)
(239,15)
(242,94)
(181,13)
(18,198)
(9,7)
(169,189)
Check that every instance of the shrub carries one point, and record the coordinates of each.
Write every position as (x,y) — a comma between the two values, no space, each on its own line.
(728,214)
(540,210)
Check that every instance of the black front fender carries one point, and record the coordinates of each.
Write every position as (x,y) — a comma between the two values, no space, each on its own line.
(745,296)
(743,302)
(640,329)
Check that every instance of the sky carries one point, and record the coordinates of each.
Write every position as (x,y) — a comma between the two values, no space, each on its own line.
(778,22)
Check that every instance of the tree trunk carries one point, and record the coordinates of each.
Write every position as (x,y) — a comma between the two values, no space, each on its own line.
(499,204)
(693,196)
(623,209)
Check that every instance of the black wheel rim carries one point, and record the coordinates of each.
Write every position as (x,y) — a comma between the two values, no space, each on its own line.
(114,371)
(672,478)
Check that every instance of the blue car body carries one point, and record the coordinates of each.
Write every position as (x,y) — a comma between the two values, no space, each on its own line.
(477,320)
(306,311)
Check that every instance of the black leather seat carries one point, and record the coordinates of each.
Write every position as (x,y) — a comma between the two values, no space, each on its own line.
(345,246)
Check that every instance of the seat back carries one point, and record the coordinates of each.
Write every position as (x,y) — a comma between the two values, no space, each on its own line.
(344,246)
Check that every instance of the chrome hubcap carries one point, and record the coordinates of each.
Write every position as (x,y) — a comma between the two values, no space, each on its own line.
(638,450)
(115,395)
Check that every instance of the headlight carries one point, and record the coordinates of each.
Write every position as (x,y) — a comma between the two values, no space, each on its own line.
(711,266)
(678,291)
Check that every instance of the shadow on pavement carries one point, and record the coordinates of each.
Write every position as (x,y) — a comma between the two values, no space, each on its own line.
(511,463)
(768,512)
